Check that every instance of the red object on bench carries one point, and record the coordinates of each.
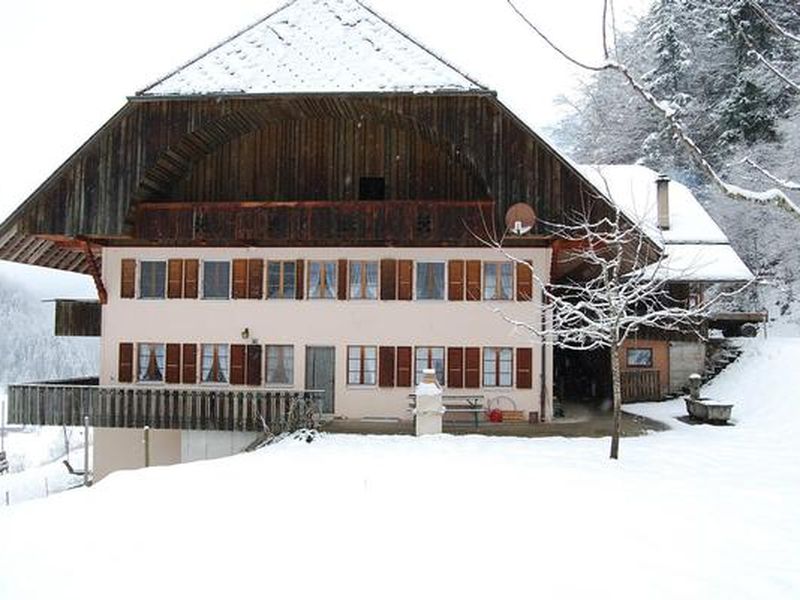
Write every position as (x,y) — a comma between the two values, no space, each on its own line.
(495,415)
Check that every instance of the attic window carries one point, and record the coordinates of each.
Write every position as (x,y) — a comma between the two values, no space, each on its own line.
(372,188)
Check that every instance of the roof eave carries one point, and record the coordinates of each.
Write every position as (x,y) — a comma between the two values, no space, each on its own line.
(248,95)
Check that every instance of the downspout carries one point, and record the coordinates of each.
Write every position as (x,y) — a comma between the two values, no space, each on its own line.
(543,353)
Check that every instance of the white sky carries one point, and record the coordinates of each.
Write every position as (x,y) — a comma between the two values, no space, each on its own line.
(68,65)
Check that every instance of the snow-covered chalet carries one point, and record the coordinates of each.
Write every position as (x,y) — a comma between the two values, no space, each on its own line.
(297,214)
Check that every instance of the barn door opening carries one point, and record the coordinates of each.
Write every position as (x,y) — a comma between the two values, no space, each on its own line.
(320,373)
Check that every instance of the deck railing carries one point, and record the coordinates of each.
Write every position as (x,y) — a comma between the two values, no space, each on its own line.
(639,385)
(161,408)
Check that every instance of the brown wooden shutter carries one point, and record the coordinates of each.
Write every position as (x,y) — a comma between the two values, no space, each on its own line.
(388,279)
(237,364)
(125,367)
(189,363)
(472,367)
(255,278)
(386,366)
(524,368)
(455,367)
(128,283)
(299,279)
(404,366)
(239,278)
(342,279)
(524,281)
(455,280)
(191,267)
(254,365)
(473,280)
(405,277)
(175,278)
(173,374)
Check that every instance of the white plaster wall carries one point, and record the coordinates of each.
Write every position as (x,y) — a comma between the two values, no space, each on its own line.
(326,322)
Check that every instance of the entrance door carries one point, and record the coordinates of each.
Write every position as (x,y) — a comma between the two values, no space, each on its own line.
(320,371)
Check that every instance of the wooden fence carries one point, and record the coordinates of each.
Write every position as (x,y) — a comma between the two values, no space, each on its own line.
(161,408)
(644,384)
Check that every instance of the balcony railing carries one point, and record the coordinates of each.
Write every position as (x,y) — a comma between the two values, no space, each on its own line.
(161,408)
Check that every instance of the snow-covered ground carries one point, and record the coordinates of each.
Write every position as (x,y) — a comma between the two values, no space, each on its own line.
(695,512)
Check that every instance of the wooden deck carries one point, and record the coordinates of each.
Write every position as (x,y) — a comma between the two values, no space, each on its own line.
(158,407)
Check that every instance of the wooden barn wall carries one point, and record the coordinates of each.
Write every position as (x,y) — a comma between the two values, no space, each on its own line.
(150,146)
(323,159)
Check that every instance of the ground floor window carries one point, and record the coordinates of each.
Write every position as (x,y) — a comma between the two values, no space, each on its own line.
(151,362)
(280,365)
(215,365)
(362,365)
(640,357)
(497,367)
(429,357)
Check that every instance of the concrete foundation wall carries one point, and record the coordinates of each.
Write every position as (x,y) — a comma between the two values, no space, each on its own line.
(203,445)
(685,358)
(118,449)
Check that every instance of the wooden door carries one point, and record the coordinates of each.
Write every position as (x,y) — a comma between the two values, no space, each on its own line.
(320,373)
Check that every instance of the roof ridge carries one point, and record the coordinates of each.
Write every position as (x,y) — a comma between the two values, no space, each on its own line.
(211,49)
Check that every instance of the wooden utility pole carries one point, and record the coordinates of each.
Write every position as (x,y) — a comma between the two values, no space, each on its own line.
(146,445)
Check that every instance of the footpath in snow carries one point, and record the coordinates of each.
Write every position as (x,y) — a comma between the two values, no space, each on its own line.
(694,512)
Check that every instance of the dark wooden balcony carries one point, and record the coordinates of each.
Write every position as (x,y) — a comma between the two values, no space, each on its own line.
(66,403)
(78,318)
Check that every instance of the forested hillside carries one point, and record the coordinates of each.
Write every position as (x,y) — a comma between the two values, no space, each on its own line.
(706,60)
(28,349)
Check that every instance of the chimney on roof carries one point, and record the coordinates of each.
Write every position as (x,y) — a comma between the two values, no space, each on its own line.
(662,194)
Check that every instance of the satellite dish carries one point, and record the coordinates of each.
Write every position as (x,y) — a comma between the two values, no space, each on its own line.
(520,218)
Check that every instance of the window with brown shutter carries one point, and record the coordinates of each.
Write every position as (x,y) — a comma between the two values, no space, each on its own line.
(255,279)
(173,374)
(404,366)
(128,283)
(525,281)
(125,367)
(405,274)
(254,365)
(189,374)
(455,280)
(175,278)
(473,280)
(191,267)
(237,364)
(300,280)
(386,366)
(455,367)
(239,289)
(341,292)
(472,367)
(524,368)
(388,279)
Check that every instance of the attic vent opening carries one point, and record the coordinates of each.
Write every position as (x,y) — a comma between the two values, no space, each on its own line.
(372,188)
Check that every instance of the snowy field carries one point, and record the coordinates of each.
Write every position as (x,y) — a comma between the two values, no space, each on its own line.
(695,512)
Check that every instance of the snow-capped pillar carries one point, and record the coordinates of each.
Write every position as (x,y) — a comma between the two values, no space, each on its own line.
(662,198)
(429,408)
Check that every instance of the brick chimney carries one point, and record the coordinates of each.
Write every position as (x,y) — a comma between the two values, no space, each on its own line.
(662,194)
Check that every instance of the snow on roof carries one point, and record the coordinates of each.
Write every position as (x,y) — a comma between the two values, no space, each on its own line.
(316,46)
(695,247)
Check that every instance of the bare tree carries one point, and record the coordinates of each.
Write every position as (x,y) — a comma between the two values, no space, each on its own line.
(669,114)
(625,290)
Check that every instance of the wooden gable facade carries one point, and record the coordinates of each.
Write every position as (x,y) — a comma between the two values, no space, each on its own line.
(285,170)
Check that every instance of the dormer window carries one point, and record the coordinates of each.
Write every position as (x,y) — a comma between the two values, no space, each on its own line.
(372,188)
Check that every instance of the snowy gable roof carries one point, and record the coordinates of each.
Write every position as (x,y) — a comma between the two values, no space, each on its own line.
(695,248)
(316,46)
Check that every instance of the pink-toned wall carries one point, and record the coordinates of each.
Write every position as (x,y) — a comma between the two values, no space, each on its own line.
(327,322)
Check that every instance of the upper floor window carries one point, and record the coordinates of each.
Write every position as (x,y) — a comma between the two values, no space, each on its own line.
(152,278)
(214,363)
(363,280)
(497,367)
(151,362)
(498,281)
(216,279)
(427,357)
(280,365)
(362,365)
(321,279)
(281,279)
(430,281)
